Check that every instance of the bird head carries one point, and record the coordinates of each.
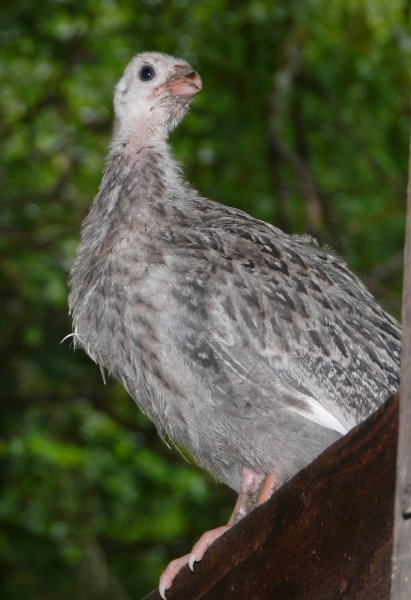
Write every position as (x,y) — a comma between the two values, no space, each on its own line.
(153,95)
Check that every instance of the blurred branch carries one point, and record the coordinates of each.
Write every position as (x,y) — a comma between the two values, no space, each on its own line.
(280,152)
(391,266)
(276,147)
(319,212)
(379,281)
(96,580)
(302,164)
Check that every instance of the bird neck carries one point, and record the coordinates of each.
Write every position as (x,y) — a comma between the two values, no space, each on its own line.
(130,136)
(137,178)
(144,161)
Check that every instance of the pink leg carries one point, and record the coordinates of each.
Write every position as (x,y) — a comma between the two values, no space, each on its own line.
(269,486)
(250,485)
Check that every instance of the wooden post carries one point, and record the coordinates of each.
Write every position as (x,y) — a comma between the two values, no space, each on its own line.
(401,561)
(325,535)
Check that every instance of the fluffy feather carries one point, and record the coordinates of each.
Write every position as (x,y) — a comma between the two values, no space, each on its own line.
(248,346)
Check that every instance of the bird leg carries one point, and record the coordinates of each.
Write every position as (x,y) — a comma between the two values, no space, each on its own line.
(252,487)
(268,487)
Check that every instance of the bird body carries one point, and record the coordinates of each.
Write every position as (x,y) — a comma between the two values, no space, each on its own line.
(250,347)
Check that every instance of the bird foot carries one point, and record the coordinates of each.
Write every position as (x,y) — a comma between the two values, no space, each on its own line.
(167,576)
(196,554)
(203,544)
(255,488)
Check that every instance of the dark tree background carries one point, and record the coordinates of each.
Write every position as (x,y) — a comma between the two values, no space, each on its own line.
(303,121)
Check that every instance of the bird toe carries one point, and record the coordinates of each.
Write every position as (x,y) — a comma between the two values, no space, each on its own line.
(169,573)
(203,544)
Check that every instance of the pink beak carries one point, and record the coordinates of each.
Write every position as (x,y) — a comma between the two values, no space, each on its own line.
(188,85)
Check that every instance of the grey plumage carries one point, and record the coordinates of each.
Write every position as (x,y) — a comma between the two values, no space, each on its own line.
(246,345)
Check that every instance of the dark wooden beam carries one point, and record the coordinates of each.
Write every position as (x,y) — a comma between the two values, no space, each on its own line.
(326,534)
(401,561)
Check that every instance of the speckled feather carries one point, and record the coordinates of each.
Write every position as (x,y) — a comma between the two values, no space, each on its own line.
(246,345)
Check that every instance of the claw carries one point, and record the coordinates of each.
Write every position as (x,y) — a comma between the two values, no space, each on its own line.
(167,576)
(162,591)
(203,544)
(192,559)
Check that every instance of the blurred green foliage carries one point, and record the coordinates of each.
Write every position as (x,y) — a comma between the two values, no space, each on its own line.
(303,121)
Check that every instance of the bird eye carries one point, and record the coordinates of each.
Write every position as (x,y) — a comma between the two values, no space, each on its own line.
(147,73)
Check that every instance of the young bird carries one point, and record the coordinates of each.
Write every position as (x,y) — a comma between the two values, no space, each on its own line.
(252,348)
